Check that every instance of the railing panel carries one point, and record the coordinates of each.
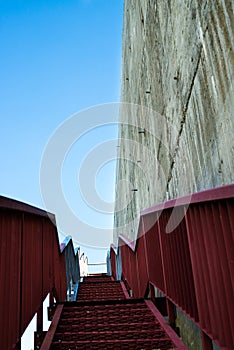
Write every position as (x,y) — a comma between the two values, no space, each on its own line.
(10,267)
(49,248)
(31,266)
(141,267)
(211,237)
(134,276)
(193,265)
(179,283)
(153,251)
(126,268)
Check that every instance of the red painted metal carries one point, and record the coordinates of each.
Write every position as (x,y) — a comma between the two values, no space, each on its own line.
(53,326)
(124,290)
(141,257)
(10,278)
(176,261)
(212,253)
(32,272)
(193,265)
(31,266)
(97,291)
(173,336)
(153,252)
(109,323)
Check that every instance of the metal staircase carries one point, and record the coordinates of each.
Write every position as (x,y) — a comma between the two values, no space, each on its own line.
(192,267)
(104,317)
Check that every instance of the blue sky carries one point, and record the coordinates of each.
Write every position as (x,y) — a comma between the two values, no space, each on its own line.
(57,58)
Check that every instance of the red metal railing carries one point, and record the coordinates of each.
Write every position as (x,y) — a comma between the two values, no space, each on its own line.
(193,265)
(31,266)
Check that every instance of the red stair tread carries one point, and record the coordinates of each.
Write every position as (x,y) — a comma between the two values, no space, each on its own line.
(102,318)
(118,344)
(97,279)
(111,327)
(110,290)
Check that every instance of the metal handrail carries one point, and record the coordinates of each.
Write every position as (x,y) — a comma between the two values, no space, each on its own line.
(31,266)
(193,264)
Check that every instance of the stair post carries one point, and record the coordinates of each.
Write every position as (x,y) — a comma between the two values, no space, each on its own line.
(39,335)
(206,341)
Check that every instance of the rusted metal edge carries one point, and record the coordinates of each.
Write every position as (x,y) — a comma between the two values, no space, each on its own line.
(218,193)
(51,332)
(173,336)
(13,204)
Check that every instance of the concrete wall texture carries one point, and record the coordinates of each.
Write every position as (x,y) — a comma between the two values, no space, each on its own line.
(178,68)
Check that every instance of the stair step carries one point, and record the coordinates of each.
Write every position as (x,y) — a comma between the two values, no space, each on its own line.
(108,318)
(112,327)
(97,279)
(100,312)
(100,291)
(124,334)
(130,344)
(102,318)
(110,308)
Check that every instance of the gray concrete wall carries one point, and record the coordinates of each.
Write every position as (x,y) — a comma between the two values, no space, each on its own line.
(178,61)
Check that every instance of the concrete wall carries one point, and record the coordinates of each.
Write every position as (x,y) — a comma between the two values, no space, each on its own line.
(178,61)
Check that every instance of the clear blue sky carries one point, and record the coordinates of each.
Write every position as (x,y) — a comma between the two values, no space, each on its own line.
(57,58)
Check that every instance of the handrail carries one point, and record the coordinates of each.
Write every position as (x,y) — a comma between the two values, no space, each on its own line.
(96,264)
(214,194)
(192,265)
(126,240)
(13,204)
(31,266)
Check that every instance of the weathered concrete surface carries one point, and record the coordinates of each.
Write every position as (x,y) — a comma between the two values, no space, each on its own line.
(178,60)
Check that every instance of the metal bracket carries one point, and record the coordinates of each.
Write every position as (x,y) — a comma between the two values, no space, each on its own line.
(51,311)
(38,339)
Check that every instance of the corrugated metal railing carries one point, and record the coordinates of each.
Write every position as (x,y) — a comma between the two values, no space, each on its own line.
(193,265)
(31,266)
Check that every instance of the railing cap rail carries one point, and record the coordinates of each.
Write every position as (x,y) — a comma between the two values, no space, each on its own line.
(214,194)
(13,204)
(218,193)
(126,240)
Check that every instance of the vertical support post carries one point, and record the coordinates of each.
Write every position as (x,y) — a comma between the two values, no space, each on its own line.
(152,293)
(170,312)
(51,301)
(169,304)
(206,341)
(40,319)
(145,246)
(39,335)
(18,345)
(52,306)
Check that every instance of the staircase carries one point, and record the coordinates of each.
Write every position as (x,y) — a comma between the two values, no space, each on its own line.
(100,288)
(104,317)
